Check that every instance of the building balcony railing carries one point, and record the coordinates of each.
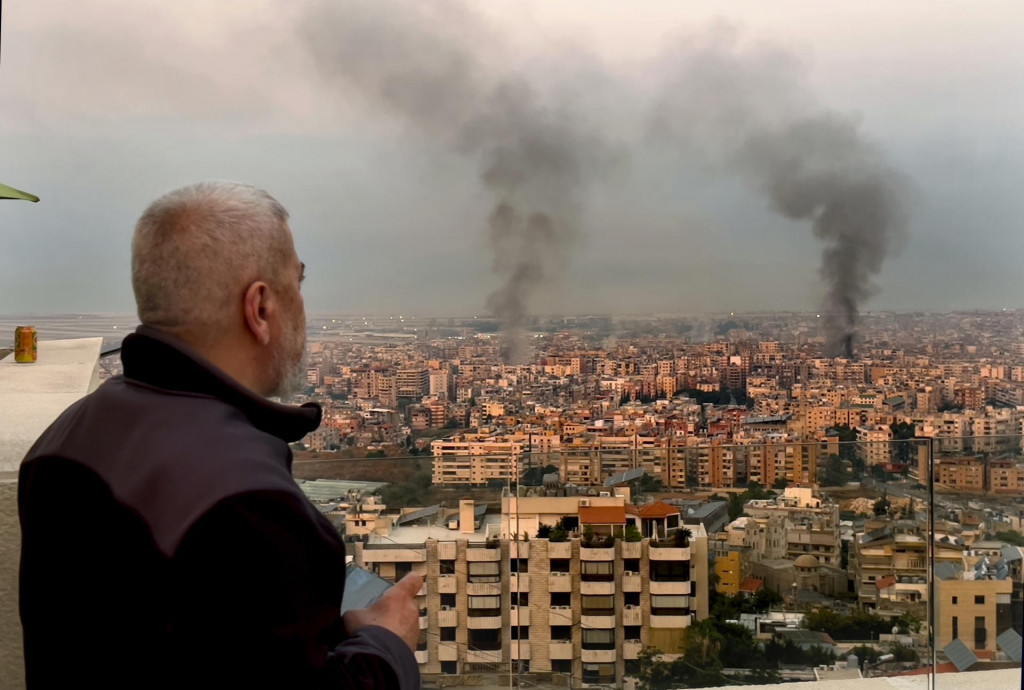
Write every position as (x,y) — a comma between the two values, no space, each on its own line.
(631,582)
(483,622)
(598,656)
(601,621)
(597,554)
(632,615)
(447,584)
(483,589)
(631,649)
(560,615)
(519,615)
(631,549)
(422,656)
(558,649)
(663,552)
(669,587)
(587,587)
(560,582)
(448,618)
(519,582)
(483,656)
(560,549)
(676,622)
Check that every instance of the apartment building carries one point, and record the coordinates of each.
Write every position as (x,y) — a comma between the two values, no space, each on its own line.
(974,610)
(476,459)
(573,609)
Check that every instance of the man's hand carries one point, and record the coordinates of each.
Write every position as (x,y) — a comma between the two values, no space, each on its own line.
(396,610)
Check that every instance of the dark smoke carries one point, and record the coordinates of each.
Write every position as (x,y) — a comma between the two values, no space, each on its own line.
(751,111)
(437,67)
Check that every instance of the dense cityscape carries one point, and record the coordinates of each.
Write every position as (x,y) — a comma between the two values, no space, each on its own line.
(642,488)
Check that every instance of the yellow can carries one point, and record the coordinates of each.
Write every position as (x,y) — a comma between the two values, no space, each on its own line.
(26,344)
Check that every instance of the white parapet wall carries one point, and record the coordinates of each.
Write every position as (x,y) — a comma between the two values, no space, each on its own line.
(31,397)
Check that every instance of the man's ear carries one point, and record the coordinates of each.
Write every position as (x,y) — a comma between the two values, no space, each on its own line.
(257,304)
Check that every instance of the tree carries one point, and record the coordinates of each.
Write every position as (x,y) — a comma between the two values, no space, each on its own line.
(544,531)
(780,484)
(882,505)
(901,445)
(681,537)
(632,533)
(535,475)
(1010,537)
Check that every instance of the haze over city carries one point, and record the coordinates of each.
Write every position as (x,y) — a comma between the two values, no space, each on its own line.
(388,206)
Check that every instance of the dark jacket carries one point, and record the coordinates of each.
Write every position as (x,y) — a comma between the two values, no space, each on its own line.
(165,544)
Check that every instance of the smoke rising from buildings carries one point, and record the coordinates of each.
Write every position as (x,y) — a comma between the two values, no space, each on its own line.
(438,68)
(748,111)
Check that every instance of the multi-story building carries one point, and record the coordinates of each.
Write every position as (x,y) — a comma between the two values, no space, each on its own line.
(961,474)
(873,444)
(412,382)
(476,459)
(973,609)
(573,610)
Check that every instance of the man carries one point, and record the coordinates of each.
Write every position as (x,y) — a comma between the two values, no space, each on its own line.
(164,542)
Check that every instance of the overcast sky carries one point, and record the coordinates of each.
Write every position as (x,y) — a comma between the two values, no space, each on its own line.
(105,104)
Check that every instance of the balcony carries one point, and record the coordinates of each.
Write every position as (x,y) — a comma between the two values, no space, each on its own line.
(676,622)
(631,650)
(519,615)
(603,622)
(631,582)
(423,622)
(670,587)
(597,554)
(598,656)
(447,551)
(483,589)
(480,553)
(559,582)
(519,549)
(483,622)
(448,618)
(632,549)
(560,615)
(520,649)
(669,553)
(632,615)
(447,584)
(447,651)
(560,650)
(597,587)
(519,582)
(422,656)
(559,549)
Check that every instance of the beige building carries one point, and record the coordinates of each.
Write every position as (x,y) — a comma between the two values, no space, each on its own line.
(561,610)
(476,459)
(974,611)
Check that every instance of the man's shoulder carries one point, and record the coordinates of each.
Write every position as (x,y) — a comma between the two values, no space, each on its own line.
(168,456)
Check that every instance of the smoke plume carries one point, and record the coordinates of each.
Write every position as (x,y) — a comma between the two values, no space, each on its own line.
(750,112)
(438,68)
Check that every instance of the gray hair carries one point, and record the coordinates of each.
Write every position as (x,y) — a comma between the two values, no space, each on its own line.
(197,249)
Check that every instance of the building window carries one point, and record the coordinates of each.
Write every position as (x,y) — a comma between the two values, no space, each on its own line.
(631,632)
(519,565)
(561,599)
(447,567)
(421,644)
(670,571)
(561,665)
(448,600)
(520,632)
(598,605)
(980,633)
(670,605)
(401,570)
(484,571)
(450,668)
(632,598)
(600,674)
(485,606)
(956,628)
(979,598)
(487,640)
(955,600)
(448,634)
(561,633)
(597,571)
(631,565)
(560,565)
(598,639)
(520,598)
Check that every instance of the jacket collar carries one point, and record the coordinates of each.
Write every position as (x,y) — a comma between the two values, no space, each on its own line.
(158,359)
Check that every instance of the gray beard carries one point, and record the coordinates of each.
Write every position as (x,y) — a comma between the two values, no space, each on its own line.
(291,377)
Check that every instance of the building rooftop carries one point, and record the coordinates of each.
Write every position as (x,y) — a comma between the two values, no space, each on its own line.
(33,395)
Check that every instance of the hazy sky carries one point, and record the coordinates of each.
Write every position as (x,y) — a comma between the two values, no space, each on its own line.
(104,104)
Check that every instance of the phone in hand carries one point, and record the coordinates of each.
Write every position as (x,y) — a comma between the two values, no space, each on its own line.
(362,588)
